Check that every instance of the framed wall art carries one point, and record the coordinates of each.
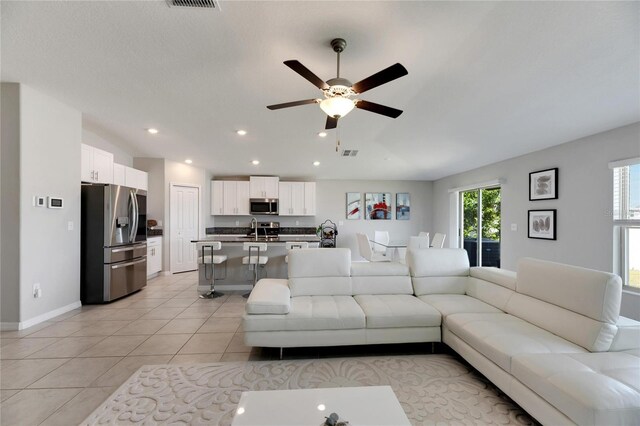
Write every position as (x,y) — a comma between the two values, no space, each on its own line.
(542,224)
(403,206)
(543,185)
(377,205)
(354,205)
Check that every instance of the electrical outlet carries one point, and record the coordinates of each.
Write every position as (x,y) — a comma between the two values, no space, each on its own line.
(37,291)
(514,226)
(159,223)
(237,223)
(297,222)
(70,225)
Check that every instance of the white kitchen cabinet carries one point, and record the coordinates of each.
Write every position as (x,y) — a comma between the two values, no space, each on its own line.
(264,186)
(217,197)
(297,199)
(230,198)
(135,178)
(309,198)
(119,174)
(154,255)
(96,165)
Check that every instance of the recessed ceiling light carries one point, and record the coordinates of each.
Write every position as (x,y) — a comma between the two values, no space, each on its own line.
(255,162)
(188,161)
(316,163)
(322,134)
(152,131)
(241,132)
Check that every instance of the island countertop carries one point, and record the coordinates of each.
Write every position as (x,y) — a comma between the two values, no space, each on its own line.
(282,239)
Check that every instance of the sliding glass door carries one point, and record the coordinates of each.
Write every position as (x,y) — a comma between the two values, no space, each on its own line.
(480,225)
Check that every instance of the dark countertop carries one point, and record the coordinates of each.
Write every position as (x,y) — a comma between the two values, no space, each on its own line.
(244,239)
(240,230)
(154,232)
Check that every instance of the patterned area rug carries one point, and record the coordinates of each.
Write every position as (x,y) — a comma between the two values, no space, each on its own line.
(432,389)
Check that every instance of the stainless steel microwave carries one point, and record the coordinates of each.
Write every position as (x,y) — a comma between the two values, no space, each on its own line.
(263,206)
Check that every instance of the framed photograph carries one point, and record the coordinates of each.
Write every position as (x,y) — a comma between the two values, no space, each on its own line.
(354,205)
(377,205)
(543,185)
(403,206)
(542,224)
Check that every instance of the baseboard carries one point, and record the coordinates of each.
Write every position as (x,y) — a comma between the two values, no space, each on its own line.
(165,273)
(40,318)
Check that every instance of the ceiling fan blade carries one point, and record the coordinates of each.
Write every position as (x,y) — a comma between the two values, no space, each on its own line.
(380,78)
(378,109)
(292,104)
(306,73)
(332,123)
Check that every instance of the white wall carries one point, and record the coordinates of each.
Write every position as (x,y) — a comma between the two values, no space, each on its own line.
(585,188)
(331,204)
(10,206)
(155,193)
(107,141)
(49,165)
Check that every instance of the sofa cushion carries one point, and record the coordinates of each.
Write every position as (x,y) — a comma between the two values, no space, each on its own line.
(502,277)
(489,292)
(449,304)
(269,296)
(593,335)
(500,336)
(591,293)
(380,278)
(443,271)
(320,272)
(311,313)
(627,335)
(397,310)
(591,389)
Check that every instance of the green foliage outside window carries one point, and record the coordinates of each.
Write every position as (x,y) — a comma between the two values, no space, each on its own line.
(490,214)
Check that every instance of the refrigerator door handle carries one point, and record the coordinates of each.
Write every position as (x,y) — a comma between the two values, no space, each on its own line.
(119,250)
(122,265)
(134,217)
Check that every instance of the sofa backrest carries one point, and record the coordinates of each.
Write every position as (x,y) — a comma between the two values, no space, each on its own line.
(435,270)
(320,272)
(491,285)
(380,278)
(581,305)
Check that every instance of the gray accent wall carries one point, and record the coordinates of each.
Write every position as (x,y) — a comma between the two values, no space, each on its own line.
(585,235)
(49,165)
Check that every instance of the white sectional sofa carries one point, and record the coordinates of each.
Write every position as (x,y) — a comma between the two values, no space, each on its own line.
(549,336)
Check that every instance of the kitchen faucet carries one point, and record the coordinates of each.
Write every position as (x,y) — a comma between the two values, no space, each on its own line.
(254,226)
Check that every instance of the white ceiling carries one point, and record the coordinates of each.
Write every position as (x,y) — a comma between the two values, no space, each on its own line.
(487,81)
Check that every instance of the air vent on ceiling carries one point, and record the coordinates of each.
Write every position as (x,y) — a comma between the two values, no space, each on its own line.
(349,152)
(206,4)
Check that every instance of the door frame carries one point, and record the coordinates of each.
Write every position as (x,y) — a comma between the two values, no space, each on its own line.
(199,219)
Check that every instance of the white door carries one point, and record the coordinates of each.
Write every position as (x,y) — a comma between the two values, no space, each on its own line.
(184,215)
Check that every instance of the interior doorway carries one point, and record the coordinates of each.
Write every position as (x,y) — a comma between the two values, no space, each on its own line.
(184,214)
(480,225)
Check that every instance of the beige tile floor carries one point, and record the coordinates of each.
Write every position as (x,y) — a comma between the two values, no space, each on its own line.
(57,372)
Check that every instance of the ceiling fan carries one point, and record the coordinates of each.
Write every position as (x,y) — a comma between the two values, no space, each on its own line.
(338,91)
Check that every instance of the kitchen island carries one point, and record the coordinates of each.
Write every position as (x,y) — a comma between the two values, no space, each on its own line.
(236,276)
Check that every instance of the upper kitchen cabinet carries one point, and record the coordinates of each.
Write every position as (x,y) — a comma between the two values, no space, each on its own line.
(119,174)
(263,186)
(297,199)
(230,198)
(135,178)
(96,165)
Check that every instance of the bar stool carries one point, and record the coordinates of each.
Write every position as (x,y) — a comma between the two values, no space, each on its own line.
(207,258)
(293,246)
(254,260)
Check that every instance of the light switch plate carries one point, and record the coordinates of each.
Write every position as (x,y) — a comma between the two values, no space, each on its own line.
(70,226)
(514,226)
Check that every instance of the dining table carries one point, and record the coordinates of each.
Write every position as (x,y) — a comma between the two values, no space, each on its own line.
(393,247)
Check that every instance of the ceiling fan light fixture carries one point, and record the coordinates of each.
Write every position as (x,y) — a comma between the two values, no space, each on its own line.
(337,106)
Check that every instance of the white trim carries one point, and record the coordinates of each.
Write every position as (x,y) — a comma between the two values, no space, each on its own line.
(623,163)
(495,182)
(40,318)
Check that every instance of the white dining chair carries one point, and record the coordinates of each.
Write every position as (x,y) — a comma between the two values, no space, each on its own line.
(438,240)
(291,245)
(416,243)
(206,257)
(381,237)
(423,234)
(364,246)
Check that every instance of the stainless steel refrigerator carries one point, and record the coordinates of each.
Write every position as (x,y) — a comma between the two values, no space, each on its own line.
(113,242)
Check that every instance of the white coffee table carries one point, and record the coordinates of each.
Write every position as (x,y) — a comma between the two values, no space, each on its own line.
(361,406)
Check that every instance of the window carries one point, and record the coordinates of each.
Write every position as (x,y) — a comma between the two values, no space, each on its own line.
(480,221)
(626,220)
